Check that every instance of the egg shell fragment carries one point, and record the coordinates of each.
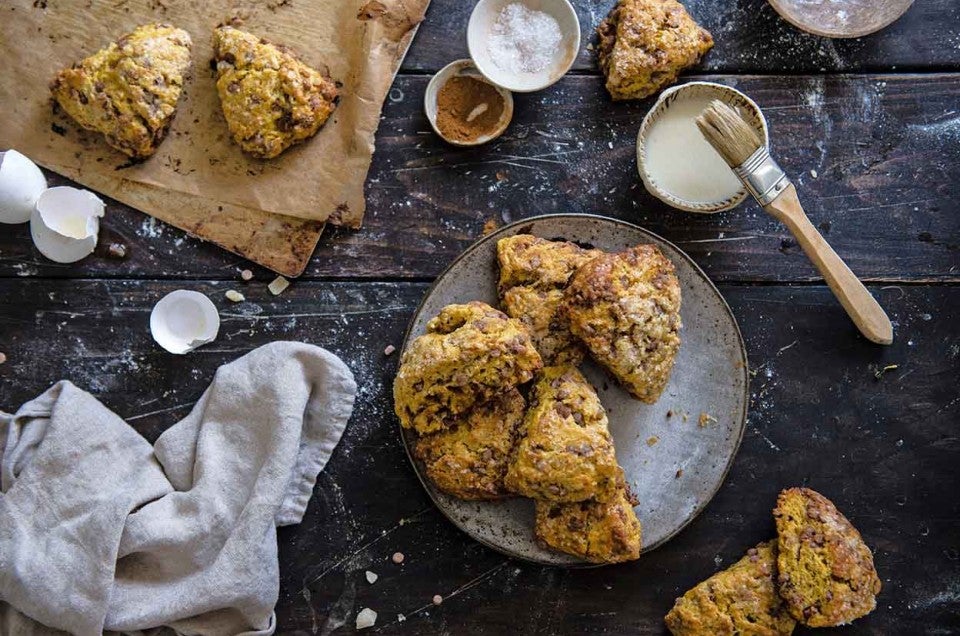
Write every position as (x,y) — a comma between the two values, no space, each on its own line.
(65,223)
(184,320)
(21,184)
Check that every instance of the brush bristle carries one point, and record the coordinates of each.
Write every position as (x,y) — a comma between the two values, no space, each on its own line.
(726,131)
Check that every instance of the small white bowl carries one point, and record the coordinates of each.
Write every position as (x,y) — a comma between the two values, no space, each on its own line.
(464,68)
(481,24)
(746,107)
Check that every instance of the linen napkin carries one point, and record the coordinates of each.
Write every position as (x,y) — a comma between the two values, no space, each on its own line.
(99,530)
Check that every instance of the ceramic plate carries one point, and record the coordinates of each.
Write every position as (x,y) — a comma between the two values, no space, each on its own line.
(674,463)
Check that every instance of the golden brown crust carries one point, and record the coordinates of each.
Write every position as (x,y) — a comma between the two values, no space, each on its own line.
(626,308)
(827,576)
(469,460)
(128,91)
(739,601)
(468,354)
(646,44)
(533,275)
(565,453)
(270,99)
(594,531)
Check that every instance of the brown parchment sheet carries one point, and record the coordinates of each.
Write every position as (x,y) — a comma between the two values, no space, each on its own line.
(199,180)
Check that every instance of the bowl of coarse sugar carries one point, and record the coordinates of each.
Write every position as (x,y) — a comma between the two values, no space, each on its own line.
(523,45)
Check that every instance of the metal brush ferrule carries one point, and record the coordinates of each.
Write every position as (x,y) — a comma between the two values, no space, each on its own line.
(764,179)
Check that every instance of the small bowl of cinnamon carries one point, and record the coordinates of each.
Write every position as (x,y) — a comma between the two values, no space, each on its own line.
(465,108)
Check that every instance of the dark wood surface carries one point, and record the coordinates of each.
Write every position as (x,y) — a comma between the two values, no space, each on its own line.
(878,119)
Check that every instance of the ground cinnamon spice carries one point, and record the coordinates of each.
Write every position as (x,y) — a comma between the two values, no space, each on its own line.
(468,108)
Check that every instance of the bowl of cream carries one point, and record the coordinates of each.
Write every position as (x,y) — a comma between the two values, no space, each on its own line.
(677,164)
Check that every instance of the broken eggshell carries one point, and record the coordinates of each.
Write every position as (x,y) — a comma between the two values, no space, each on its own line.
(21,184)
(183,320)
(65,223)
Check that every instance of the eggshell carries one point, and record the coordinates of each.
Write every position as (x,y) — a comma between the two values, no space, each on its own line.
(21,184)
(65,222)
(184,320)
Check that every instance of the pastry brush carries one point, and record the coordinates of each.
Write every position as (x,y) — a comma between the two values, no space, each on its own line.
(741,147)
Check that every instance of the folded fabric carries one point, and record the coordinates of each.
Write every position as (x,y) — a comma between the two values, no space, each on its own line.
(99,530)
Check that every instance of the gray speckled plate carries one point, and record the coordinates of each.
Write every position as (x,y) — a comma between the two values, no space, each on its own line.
(674,464)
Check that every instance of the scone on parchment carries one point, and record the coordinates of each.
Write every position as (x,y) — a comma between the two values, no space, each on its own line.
(270,99)
(599,532)
(533,275)
(128,91)
(469,460)
(739,601)
(468,354)
(646,44)
(565,452)
(626,308)
(827,576)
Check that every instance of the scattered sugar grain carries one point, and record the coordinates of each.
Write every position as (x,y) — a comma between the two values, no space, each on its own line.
(366,618)
(389,350)
(278,285)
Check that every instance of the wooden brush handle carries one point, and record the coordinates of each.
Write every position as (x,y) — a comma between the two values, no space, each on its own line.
(861,306)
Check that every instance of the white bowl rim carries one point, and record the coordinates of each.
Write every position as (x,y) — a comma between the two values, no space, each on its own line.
(430,94)
(549,82)
(654,113)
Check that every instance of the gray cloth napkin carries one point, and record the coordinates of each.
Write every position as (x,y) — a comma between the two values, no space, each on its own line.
(99,530)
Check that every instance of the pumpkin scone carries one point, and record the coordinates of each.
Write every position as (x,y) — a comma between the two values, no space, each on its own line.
(739,601)
(827,576)
(565,452)
(599,532)
(533,275)
(128,91)
(626,308)
(469,353)
(469,460)
(646,44)
(270,99)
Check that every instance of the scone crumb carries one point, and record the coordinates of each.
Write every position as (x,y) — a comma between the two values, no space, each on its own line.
(3,358)
(437,599)
(397,557)
(705,420)
(389,350)
(366,618)
(234,296)
(679,473)
(653,439)
(371,577)
(246,274)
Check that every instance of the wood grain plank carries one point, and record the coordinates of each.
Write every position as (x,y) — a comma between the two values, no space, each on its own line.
(885,150)
(883,448)
(750,38)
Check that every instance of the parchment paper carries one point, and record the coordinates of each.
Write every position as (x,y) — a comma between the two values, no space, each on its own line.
(199,180)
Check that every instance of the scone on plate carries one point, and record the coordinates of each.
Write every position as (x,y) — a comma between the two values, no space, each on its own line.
(646,44)
(626,308)
(827,576)
(469,353)
(128,91)
(533,275)
(599,532)
(270,99)
(469,460)
(741,600)
(565,452)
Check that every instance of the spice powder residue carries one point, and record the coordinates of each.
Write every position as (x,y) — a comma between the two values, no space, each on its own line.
(468,108)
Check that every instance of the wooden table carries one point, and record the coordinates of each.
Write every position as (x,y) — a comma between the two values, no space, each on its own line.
(870,130)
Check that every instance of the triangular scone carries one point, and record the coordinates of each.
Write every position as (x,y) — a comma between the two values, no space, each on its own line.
(827,576)
(599,532)
(270,99)
(565,453)
(128,90)
(646,44)
(739,600)
(533,275)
